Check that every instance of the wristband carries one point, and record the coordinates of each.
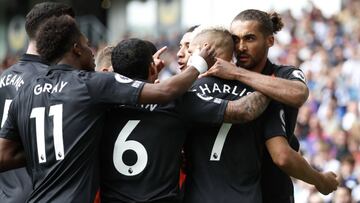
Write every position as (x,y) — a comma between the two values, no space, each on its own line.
(199,63)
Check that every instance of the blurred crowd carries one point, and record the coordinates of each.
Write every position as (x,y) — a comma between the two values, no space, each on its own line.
(328,125)
(327,49)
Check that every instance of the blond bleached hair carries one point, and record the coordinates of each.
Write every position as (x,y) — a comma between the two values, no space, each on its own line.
(217,36)
(103,58)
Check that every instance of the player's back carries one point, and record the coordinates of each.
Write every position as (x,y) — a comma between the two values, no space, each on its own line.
(15,185)
(223,161)
(140,154)
(60,117)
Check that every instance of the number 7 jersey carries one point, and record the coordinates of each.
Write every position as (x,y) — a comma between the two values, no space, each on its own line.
(224,161)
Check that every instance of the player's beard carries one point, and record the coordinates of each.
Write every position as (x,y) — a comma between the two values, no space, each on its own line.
(249,64)
(252,62)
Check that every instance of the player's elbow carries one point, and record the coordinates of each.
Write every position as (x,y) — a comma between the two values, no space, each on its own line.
(300,94)
(3,159)
(282,159)
(11,155)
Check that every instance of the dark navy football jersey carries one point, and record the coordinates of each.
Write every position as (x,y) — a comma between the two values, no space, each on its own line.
(15,185)
(58,118)
(140,153)
(276,184)
(224,161)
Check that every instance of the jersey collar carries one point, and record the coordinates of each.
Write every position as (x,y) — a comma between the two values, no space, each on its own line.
(269,68)
(62,67)
(32,58)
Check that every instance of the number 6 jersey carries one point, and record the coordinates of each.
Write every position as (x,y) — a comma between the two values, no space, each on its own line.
(58,118)
(140,153)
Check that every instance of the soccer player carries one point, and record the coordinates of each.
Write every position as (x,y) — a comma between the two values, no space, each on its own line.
(141,145)
(183,54)
(103,60)
(253,31)
(56,119)
(15,185)
(224,160)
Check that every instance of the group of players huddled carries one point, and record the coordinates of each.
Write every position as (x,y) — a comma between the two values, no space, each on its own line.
(228,117)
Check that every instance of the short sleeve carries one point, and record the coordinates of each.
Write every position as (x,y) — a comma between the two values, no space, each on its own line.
(274,121)
(113,88)
(200,108)
(10,128)
(291,73)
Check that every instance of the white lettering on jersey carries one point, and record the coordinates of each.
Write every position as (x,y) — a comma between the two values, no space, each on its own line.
(204,97)
(150,107)
(299,75)
(223,88)
(11,79)
(122,79)
(49,88)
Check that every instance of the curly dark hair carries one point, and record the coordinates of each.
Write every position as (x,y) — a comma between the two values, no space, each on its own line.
(43,11)
(132,58)
(270,23)
(56,37)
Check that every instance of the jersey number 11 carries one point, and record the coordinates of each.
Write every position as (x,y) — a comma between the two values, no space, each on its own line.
(39,114)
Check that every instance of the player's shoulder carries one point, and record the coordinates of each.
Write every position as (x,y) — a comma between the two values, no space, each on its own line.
(289,72)
(208,80)
(283,69)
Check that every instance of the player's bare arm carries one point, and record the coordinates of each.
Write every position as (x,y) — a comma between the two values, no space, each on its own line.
(11,155)
(296,166)
(290,92)
(246,108)
(177,85)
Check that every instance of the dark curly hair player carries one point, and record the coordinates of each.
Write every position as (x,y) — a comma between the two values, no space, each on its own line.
(253,33)
(54,124)
(16,185)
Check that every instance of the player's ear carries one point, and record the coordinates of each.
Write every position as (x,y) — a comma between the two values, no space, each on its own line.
(270,40)
(106,69)
(76,49)
(153,74)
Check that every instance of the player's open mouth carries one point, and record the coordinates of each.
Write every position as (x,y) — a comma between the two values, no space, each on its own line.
(181,65)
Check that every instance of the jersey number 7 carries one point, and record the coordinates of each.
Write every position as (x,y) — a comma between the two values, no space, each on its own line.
(219,142)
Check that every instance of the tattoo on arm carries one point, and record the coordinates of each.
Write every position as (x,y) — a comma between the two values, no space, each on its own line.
(246,108)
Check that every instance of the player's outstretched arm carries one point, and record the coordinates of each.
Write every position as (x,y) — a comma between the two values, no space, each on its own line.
(11,155)
(296,166)
(289,92)
(246,108)
(177,85)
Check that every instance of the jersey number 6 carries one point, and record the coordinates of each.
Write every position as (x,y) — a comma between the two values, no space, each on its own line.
(122,145)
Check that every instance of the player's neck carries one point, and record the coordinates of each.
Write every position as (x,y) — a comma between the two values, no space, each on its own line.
(32,48)
(68,59)
(260,67)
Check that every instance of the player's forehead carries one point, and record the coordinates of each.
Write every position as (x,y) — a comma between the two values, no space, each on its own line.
(186,38)
(244,28)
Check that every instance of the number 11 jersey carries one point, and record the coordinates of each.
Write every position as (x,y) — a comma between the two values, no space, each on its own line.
(58,118)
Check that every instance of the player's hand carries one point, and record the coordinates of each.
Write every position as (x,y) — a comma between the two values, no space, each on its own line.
(208,53)
(328,183)
(159,64)
(222,69)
